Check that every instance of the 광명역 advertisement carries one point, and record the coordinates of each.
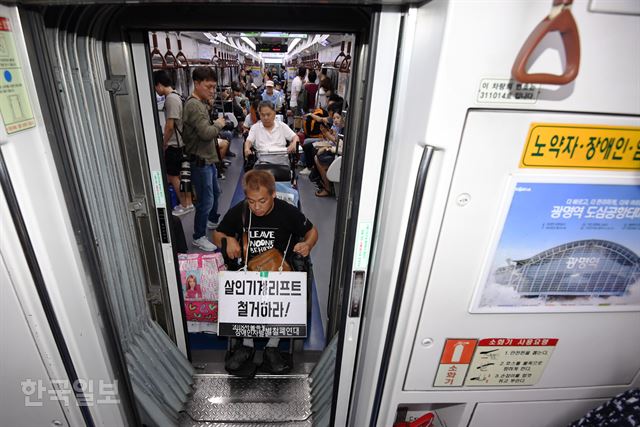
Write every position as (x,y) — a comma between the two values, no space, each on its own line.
(565,247)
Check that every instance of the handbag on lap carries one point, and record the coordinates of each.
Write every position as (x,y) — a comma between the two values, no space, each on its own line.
(269,260)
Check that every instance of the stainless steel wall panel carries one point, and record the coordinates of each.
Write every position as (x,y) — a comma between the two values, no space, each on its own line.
(160,375)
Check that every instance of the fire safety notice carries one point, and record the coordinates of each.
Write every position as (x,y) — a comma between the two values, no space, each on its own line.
(509,361)
(454,362)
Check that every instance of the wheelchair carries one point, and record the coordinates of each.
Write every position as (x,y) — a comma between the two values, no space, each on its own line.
(280,163)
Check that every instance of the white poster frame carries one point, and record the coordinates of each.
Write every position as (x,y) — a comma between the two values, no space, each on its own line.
(229,317)
(509,191)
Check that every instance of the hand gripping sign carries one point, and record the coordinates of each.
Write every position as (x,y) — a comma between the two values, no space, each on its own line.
(262,304)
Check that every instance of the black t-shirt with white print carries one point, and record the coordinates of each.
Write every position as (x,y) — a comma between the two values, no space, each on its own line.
(266,232)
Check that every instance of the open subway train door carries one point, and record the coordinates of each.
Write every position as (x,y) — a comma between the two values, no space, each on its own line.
(97,95)
(484,263)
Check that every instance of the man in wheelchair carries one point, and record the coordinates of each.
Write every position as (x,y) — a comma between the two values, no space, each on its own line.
(270,135)
(265,233)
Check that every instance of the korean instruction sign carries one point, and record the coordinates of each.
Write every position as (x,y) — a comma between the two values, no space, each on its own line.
(553,145)
(14,100)
(509,361)
(262,304)
(565,247)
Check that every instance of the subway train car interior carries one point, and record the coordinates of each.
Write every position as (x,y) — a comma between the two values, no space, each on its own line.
(385,213)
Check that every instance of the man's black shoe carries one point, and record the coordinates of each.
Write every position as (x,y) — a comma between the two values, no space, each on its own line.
(240,361)
(274,362)
(231,154)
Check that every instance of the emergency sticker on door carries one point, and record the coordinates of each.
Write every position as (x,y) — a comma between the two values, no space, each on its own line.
(454,362)
(507,91)
(570,146)
(14,99)
(509,361)
(158,188)
(363,244)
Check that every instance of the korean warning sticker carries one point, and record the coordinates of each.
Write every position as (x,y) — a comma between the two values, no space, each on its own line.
(570,146)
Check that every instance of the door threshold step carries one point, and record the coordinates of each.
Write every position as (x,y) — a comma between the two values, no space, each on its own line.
(186,421)
(263,400)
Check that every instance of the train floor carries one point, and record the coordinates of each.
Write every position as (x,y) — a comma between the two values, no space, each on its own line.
(222,400)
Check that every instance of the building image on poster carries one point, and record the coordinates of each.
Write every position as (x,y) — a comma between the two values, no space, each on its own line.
(566,247)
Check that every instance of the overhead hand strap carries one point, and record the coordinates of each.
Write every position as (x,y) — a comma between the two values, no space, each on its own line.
(169,56)
(560,19)
(215,58)
(345,65)
(156,52)
(183,61)
(336,64)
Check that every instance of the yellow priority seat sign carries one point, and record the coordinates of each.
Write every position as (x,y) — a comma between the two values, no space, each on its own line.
(572,146)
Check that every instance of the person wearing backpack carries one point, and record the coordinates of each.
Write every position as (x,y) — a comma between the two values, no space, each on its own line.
(172,143)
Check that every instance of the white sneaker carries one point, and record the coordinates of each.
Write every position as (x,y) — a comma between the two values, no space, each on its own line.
(204,244)
(179,210)
(212,225)
(305,171)
(189,208)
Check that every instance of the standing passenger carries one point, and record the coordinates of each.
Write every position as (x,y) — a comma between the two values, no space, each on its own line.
(199,139)
(324,92)
(312,89)
(270,94)
(296,87)
(172,143)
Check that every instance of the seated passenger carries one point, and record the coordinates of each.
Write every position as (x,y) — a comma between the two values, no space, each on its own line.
(293,233)
(326,155)
(240,102)
(329,136)
(252,117)
(270,134)
(324,158)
